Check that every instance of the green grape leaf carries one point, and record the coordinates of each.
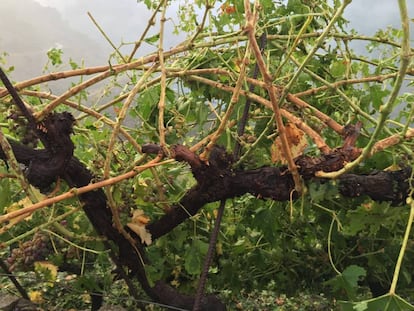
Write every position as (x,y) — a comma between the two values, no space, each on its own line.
(348,280)
(338,69)
(386,302)
(152,39)
(194,257)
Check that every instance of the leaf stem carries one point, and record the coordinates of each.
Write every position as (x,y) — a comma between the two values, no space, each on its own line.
(147,28)
(161,103)
(402,250)
(385,109)
(106,37)
(315,48)
(273,92)
(329,248)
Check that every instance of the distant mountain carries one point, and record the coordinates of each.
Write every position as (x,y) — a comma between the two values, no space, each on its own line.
(28,30)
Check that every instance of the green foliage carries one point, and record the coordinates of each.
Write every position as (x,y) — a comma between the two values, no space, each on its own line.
(3,62)
(348,281)
(194,255)
(384,303)
(6,194)
(323,191)
(55,56)
(345,248)
(269,299)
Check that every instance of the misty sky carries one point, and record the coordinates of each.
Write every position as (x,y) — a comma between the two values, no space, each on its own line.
(129,14)
(124,21)
(119,15)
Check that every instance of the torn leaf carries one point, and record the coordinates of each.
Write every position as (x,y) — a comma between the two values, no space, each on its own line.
(138,223)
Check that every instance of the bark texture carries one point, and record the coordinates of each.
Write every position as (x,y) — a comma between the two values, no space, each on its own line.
(216,180)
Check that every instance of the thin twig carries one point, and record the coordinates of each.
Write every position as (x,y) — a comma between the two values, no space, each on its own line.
(402,250)
(272,91)
(335,85)
(120,119)
(209,256)
(77,191)
(17,100)
(319,141)
(11,159)
(304,105)
(14,165)
(200,27)
(87,111)
(111,202)
(163,82)
(315,47)
(14,280)
(106,37)
(385,109)
(150,23)
(31,232)
(233,101)
(242,123)
(392,141)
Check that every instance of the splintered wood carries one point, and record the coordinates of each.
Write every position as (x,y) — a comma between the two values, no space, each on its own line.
(297,144)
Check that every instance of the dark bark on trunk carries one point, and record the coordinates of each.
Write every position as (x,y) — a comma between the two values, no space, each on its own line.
(390,186)
(94,204)
(216,180)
